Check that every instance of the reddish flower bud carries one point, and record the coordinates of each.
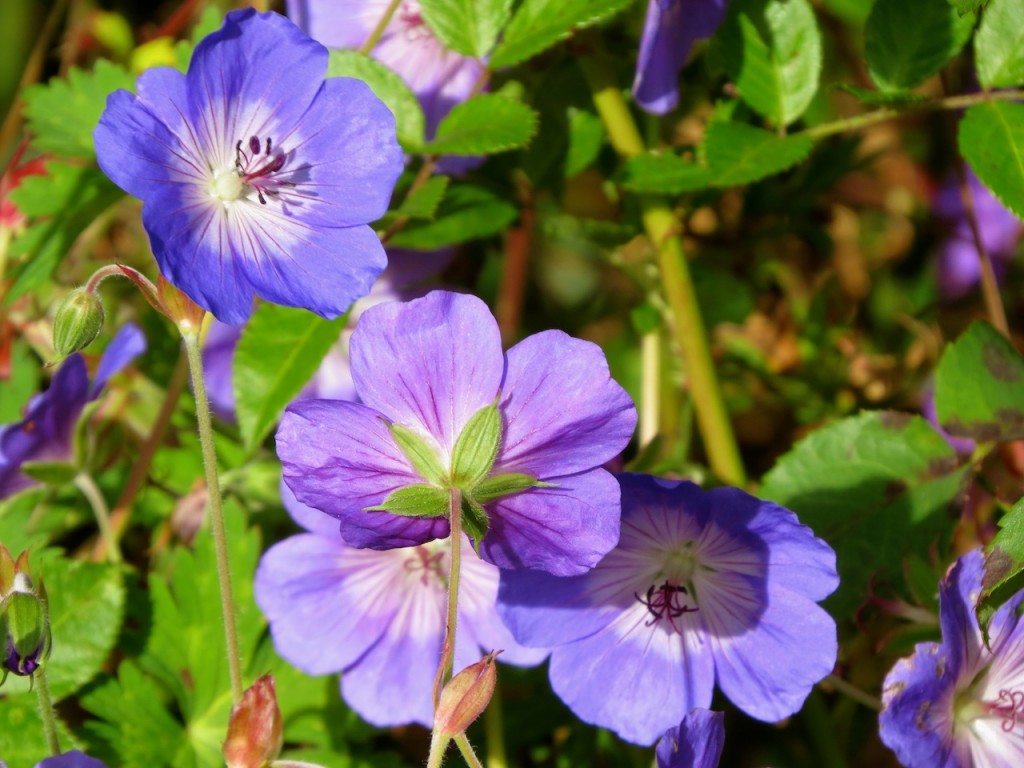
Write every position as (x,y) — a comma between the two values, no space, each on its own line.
(182,311)
(466,696)
(255,733)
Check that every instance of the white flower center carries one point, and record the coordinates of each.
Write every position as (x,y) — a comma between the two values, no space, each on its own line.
(227,185)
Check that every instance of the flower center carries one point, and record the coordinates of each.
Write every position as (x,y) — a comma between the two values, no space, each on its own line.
(427,563)
(256,163)
(409,17)
(667,601)
(1009,706)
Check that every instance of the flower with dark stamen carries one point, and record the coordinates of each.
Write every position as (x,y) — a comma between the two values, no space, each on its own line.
(703,587)
(257,175)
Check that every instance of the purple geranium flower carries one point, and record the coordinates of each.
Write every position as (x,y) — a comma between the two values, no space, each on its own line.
(257,176)
(703,586)
(670,30)
(74,759)
(377,617)
(696,742)
(46,431)
(440,78)
(424,369)
(960,703)
(958,267)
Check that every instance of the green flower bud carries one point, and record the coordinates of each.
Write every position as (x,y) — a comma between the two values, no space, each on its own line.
(24,623)
(78,322)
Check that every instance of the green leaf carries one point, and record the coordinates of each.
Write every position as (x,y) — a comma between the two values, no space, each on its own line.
(999,44)
(469,27)
(875,486)
(991,138)
(279,351)
(539,24)
(966,6)
(389,87)
(483,125)
(772,50)
(21,384)
(1004,564)
(908,42)
(474,521)
(415,501)
(476,447)
(979,387)
(500,486)
(422,203)
(467,212)
(421,454)
(22,739)
(210,20)
(63,113)
(586,137)
(55,473)
(663,174)
(73,195)
(740,154)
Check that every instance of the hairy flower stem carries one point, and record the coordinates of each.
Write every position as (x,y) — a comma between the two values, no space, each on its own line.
(663,230)
(467,751)
(85,483)
(444,669)
(46,711)
(227,602)
(378,31)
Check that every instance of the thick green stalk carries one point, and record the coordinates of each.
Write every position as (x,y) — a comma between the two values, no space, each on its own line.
(227,601)
(92,493)
(46,711)
(663,229)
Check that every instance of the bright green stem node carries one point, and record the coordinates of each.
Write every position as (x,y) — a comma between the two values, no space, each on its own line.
(227,601)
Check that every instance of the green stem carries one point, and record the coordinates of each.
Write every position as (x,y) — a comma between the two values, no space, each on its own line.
(378,31)
(494,728)
(89,489)
(853,692)
(438,745)
(889,113)
(467,751)
(650,387)
(663,229)
(444,669)
(195,361)
(46,711)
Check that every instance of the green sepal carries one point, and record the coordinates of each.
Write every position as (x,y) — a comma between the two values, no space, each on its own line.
(420,454)
(415,501)
(474,521)
(26,628)
(477,447)
(54,473)
(499,486)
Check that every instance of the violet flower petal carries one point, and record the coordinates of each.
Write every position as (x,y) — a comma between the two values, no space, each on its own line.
(697,742)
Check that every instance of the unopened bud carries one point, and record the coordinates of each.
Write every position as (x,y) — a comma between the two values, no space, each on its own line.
(466,696)
(24,623)
(255,733)
(78,322)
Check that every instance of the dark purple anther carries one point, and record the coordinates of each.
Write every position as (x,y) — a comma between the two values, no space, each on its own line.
(666,600)
(254,145)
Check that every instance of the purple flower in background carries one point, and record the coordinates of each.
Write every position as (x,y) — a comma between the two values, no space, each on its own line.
(958,703)
(696,742)
(377,617)
(46,431)
(74,759)
(704,586)
(958,266)
(440,78)
(424,369)
(257,176)
(670,30)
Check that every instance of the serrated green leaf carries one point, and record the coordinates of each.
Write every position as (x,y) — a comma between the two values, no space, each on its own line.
(73,196)
(908,42)
(467,212)
(422,203)
(991,138)
(415,501)
(476,447)
(22,738)
(875,486)
(483,125)
(999,44)
(663,174)
(469,27)
(740,154)
(772,51)
(63,113)
(279,351)
(1004,564)
(539,24)
(389,87)
(979,386)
